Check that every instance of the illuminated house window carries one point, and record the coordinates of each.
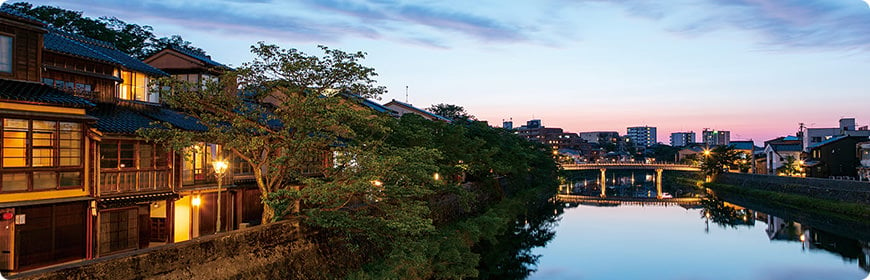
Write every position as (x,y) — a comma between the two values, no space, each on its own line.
(197,164)
(135,87)
(40,155)
(5,54)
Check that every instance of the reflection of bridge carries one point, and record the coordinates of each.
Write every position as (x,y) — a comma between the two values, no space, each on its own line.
(658,167)
(630,165)
(629,200)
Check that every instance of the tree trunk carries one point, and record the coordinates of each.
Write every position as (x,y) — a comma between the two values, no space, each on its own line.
(268,213)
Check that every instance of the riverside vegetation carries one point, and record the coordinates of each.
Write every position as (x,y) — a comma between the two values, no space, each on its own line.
(283,112)
(412,197)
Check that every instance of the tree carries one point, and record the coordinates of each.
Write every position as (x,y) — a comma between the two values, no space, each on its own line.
(791,167)
(279,113)
(136,40)
(719,159)
(450,111)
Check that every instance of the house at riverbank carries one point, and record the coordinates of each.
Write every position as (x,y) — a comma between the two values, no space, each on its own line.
(47,175)
(836,157)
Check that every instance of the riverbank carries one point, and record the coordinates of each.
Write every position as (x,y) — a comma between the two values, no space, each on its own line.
(846,210)
(835,190)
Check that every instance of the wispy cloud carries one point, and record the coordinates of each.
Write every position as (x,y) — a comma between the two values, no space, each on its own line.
(805,24)
(322,20)
(801,24)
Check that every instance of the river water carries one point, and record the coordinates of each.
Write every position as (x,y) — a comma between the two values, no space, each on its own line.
(716,239)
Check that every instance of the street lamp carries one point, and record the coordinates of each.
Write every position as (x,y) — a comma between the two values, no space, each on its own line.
(220,167)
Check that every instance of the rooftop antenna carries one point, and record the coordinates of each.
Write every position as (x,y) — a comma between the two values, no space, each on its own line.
(406,94)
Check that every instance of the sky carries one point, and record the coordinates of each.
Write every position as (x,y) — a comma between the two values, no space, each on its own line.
(756,68)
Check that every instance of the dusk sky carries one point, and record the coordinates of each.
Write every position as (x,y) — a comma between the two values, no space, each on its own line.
(754,67)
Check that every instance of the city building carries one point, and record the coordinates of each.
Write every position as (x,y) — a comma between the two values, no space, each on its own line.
(847,126)
(600,137)
(780,151)
(642,136)
(715,137)
(509,124)
(403,108)
(835,157)
(682,139)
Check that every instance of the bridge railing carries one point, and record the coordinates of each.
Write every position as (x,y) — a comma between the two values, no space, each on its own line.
(642,164)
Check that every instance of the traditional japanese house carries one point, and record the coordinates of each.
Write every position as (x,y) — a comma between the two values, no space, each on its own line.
(135,187)
(240,199)
(48,146)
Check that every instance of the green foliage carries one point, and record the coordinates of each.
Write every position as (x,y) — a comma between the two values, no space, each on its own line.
(133,39)
(281,201)
(450,111)
(278,113)
(720,159)
(791,167)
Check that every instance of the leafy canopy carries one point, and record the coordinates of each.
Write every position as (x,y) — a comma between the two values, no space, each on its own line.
(133,39)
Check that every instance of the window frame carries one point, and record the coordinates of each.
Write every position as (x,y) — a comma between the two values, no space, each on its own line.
(11,53)
(29,170)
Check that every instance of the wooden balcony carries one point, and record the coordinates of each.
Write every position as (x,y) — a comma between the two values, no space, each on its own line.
(122,181)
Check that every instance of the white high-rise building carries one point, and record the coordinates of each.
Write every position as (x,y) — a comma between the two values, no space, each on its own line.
(642,136)
(682,139)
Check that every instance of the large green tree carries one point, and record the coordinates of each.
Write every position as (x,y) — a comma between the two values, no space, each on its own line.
(279,113)
(720,159)
(133,39)
(453,112)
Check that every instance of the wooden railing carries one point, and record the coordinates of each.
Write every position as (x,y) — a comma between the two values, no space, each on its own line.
(118,181)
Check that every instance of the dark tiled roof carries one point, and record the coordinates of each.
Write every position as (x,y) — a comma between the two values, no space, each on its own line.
(409,106)
(39,93)
(64,42)
(127,117)
(787,147)
(743,145)
(6,9)
(371,104)
(56,42)
(198,56)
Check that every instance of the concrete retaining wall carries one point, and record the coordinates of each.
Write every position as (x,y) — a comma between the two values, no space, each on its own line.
(848,191)
(274,251)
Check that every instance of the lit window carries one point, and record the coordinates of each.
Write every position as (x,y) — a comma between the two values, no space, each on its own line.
(45,146)
(135,87)
(5,54)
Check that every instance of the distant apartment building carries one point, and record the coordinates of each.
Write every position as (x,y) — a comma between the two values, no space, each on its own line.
(814,136)
(716,137)
(600,137)
(507,124)
(551,136)
(642,136)
(682,139)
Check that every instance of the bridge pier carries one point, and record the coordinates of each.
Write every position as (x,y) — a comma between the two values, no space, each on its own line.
(659,183)
(603,184)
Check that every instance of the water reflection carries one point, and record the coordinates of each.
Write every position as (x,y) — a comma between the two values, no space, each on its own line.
(726,214)
(510,256)
(632,235)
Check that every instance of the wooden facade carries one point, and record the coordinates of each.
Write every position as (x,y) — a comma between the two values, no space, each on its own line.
(26,47)
(46,175)
(86,78)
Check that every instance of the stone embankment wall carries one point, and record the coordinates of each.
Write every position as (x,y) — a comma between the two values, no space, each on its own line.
(847,191)
(274,251)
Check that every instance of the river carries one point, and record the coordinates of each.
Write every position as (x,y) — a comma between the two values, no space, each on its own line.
(715,239)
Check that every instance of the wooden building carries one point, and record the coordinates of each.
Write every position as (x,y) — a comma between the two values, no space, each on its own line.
(47,171)
(240,198)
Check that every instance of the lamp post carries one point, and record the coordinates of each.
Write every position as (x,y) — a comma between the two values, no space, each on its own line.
(220,167)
